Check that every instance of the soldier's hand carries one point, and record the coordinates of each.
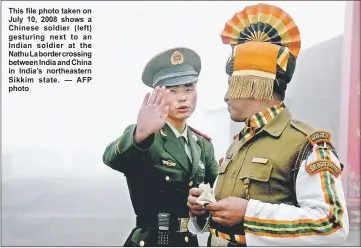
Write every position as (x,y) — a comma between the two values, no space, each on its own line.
(152,114)
(228,211)
(195,208)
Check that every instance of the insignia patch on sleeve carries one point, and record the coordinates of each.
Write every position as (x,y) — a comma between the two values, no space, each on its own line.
(318,137)
(322,165)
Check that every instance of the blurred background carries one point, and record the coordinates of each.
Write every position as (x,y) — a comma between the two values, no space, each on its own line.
(55,189)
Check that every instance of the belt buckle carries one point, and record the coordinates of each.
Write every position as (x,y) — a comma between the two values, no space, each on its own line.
(183,224)
(217,241)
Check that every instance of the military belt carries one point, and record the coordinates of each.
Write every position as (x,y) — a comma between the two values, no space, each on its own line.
(177,224)
(229,239)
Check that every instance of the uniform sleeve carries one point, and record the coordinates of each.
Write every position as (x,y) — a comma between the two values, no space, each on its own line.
(321,219)
(124,154)
(211,164)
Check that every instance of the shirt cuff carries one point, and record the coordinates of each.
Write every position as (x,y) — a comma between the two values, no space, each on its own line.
(146,144)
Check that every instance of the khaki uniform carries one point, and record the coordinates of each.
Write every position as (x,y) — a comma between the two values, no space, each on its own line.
(280,211)
(263,165)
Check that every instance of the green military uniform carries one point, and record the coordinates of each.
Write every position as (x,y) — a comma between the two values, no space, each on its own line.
(160,171)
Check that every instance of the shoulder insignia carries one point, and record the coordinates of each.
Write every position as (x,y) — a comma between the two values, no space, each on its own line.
(323,165)
(200,133)
(194,136)
(235,136)
(302,127)
(220,161)
(319,136)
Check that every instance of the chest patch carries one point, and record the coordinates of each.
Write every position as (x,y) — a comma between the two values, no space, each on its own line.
(168,163)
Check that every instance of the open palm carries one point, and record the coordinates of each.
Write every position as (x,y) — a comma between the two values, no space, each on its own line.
(153,113)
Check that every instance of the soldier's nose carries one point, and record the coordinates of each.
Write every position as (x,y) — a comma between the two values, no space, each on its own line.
(225,98)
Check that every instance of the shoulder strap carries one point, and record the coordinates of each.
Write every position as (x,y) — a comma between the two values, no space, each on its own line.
(200,133)
(302,127)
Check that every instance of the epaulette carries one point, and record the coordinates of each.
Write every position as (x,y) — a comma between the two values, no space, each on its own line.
(302,127)
(200,133)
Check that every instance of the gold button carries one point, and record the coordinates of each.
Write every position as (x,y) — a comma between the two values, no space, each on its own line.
(141,243)
(167,178)
(186,239)
(190,183)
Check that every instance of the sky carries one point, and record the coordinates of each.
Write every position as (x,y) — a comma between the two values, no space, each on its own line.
(70,118)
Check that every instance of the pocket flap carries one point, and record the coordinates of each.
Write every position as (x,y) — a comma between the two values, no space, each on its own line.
(143,237)
(257,172)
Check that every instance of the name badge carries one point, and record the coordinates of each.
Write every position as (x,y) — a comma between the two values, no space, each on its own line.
(260,160)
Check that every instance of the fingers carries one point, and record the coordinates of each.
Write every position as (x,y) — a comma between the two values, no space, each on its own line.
(195,192)
(160,96)
(219,220)
(192,199)
(154,95)
(146,99)
(196,207)
(219,214)
(198,212)
(214,206)
(163,99)
(193,205)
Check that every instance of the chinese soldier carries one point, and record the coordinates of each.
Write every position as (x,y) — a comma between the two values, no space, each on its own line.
(161,156)
(280,181)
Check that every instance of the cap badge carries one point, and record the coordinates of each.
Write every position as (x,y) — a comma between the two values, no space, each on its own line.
(177,58)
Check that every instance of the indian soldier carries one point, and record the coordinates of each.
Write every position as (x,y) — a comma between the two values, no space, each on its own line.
(280,181)
(161,156)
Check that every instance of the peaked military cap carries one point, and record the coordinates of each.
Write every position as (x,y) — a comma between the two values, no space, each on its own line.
(176,66)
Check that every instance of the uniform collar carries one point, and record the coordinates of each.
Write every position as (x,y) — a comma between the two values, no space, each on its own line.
(265,120)
(262,118)
(276,127)
(177,133)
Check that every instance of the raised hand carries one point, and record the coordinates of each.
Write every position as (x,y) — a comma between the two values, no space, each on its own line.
(152,114)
